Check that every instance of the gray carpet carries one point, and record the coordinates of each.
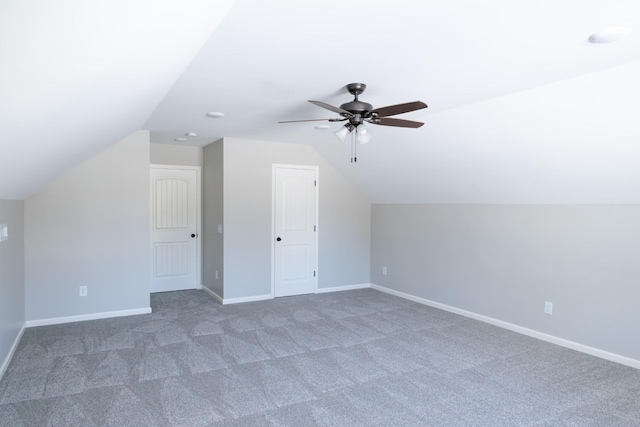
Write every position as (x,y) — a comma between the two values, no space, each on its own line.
(358,358)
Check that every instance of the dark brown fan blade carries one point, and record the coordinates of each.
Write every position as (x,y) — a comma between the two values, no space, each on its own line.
(392,110)
(332,108)
(398,123)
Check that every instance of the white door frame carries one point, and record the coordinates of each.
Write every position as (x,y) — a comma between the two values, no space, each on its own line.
(275,166)
(198,170)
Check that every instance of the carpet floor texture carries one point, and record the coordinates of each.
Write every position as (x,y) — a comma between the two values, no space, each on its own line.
(355,358)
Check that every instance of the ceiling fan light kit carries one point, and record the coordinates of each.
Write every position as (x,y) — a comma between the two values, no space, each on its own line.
(343,132)
(363,135)
(357,112)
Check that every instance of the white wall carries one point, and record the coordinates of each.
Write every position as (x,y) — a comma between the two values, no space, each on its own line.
(178,155)
(11,277)
(90,227)
(344,218)
(213,253)
(505,261)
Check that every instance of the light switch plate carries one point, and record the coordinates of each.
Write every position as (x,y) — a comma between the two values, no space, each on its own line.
(4,232)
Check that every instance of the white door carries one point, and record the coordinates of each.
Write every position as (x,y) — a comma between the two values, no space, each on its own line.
(295,239)
(173,229)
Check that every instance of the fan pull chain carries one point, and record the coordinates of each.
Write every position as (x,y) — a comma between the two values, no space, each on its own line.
(355,143)
(352,143)
(354,147)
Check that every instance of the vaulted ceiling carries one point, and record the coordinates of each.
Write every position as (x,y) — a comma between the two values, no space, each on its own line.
(522,108)
(77,76)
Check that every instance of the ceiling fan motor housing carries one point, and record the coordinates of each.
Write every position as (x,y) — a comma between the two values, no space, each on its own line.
(356,106)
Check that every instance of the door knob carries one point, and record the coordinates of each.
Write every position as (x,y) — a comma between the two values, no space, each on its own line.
(278,239)
(193,235)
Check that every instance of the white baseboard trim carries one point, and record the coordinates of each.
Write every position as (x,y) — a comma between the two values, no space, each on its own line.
(226,301)
(213,294)
(12,350)
(84,317)
(519,329)
(343,288)
(252,298)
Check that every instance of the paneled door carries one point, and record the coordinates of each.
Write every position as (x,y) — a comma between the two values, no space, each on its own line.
(174,234)
(295,230)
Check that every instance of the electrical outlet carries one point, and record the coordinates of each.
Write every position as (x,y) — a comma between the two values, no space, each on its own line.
(548,307)
(83,291)
(384,270)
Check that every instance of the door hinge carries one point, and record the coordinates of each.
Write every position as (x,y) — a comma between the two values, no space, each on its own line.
(315,183)
(314,228)
(314,273)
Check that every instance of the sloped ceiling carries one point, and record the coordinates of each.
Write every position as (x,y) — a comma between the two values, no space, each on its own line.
(78,75)
(522,109)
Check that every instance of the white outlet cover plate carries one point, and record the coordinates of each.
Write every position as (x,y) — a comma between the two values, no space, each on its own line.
(548,307)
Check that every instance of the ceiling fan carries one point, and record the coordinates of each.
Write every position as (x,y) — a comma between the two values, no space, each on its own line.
(356,113)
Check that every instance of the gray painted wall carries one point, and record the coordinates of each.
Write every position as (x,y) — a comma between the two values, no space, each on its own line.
(344,218)
(11,275)
(505,261)
(90,227)
(178,155)
(213,253)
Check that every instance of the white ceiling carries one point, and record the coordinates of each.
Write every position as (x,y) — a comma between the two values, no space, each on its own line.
(522,109)
(78,75)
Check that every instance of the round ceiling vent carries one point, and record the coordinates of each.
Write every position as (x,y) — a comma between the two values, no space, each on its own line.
(609,35)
